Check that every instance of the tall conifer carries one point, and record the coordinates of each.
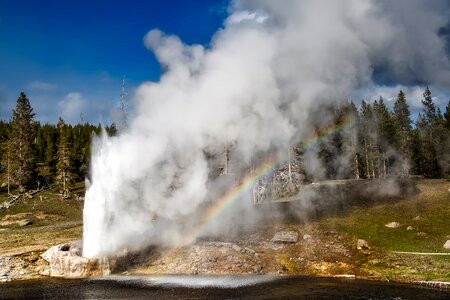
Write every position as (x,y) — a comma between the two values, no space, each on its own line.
(21,144)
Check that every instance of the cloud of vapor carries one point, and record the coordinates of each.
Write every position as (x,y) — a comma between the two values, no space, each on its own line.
(71,106)
(257,86)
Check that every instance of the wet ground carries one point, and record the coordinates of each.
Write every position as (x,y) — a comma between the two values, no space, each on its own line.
(215,287)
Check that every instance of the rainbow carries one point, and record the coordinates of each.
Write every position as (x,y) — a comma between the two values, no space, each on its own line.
(247,184)
(226,200)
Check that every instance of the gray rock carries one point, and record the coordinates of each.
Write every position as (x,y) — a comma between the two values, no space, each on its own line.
(307,237)
(65,260)
(409,228)
(236,248)
(5,267)
(362,244)
(393,225)
(25,222)
(285,237)
(422,234)
(249,250)
(447,244)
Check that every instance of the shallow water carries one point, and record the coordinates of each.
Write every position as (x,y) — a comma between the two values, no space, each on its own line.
(215,287)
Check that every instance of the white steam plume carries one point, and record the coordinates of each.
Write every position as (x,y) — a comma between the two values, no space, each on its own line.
(271,65)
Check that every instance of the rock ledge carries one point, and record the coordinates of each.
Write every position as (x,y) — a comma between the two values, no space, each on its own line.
(65,260)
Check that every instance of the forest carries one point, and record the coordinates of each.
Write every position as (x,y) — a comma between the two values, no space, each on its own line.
(372,141)
(35,155)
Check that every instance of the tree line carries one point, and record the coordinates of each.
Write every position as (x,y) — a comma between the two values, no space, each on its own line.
(368,142)
(34,155)
(375,142)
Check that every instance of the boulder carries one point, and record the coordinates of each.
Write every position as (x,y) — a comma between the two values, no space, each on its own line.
(236,248)
(393,225)
(447,245)
(5,268)
(362,245)
(307,237)
(285,237)
(65,260)
(24,222)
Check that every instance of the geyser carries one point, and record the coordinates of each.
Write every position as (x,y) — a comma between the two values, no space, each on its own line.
(254,88)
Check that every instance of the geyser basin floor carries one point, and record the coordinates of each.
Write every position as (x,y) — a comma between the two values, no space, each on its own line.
(321,255)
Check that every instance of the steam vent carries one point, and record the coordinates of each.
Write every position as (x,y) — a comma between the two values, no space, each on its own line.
(65,260)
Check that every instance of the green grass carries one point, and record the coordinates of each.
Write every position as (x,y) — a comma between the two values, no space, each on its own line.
(432,205)
(55,220)
(49,203)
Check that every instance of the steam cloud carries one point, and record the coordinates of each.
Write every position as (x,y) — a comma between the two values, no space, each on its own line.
(255,86)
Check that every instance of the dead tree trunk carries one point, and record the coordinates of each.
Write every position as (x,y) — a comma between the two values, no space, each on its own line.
(225,161)
(290,170)
(366,152)
(356,166)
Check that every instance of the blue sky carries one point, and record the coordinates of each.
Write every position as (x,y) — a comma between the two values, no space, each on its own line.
(69,56)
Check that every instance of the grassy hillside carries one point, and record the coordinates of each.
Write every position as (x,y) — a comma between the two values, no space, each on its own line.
(427,214)
(54,220)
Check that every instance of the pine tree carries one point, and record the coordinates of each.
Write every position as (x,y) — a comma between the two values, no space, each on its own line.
(429,107)
(367,137)
(446,141)
(64,174)
(47,145)
(5,152)
(447,117)
(21,144)
(353,118)
(386,137)
(427,124)
(418,160)
(442,144)
(4,133)
(402,119)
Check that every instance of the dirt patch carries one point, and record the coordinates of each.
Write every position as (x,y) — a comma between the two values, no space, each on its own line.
(21,219)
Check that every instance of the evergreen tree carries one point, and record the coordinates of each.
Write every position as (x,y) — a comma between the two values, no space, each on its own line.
(447,117)
(403,121)
(386,138)
(21,143)
(427,125)
(353,119)
(446,142)
(418,160)
(4,133)
(367,140)
(442,143)
(64,173)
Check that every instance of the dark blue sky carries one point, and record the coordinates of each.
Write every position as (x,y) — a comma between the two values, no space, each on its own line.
(80,50)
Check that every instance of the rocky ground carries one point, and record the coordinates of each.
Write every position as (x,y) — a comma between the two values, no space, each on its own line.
(365,241)
(313,253)
(288,252)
